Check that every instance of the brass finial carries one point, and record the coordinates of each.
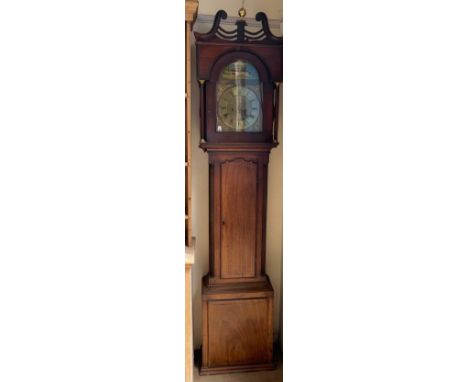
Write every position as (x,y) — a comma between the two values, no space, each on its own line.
(242,12)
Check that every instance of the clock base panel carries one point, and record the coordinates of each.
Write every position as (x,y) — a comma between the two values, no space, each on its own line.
(237,327)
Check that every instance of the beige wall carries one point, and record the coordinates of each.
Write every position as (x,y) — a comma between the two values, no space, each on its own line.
(200,181)
(273,8)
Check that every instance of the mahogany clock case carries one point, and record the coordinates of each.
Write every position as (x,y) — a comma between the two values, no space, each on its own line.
(237,214)
(218,48)
(237,295)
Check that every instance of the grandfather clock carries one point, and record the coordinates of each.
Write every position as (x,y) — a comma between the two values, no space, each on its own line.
(239,72)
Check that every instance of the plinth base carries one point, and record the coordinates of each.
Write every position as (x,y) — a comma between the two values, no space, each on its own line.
(236,369)
(237,327)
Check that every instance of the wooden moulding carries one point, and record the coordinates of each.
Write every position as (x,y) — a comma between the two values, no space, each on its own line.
(188,138)
(236,369)
(234,146)
(261,288)
(191,9)
(189,260)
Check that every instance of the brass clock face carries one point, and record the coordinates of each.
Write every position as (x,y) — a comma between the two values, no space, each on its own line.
(239,99)
(239,109)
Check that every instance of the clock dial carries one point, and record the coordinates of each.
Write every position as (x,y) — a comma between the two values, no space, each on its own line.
(239,105)
(239,108)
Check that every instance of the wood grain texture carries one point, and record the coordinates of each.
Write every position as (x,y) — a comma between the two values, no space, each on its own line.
(238,327)
(272,376)
(238,184)
(237,279)
(242,332)
(258,288)
(238,218)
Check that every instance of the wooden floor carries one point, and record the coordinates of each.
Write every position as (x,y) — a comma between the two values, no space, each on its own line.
(260,376)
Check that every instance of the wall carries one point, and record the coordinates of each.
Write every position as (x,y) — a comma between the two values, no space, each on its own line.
(200,181)
(273,8)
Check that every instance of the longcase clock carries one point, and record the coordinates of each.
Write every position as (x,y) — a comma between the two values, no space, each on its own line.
(239,72)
